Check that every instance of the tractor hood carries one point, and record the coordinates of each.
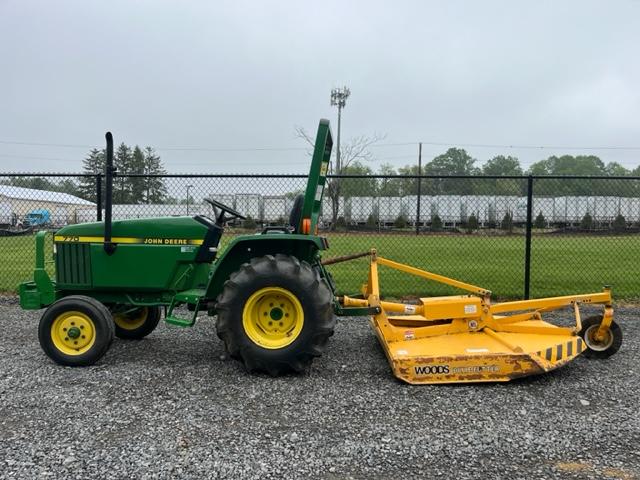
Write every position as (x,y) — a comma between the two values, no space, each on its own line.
(161,230)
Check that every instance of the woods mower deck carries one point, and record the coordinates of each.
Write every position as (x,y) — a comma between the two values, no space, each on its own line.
(467,338)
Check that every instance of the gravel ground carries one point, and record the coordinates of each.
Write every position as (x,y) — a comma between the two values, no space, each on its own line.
(171,407)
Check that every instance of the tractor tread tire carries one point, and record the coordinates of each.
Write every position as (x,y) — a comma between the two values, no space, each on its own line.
(300,279)
(101,318)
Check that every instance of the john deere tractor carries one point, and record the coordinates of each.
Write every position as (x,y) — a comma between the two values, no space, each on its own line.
(272,297)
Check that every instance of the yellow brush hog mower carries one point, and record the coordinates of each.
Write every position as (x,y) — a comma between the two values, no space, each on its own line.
(467,338)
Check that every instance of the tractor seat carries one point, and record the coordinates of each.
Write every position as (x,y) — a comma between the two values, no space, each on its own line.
(296,213)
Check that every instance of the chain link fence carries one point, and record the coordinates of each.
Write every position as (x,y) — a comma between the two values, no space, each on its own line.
(518,236)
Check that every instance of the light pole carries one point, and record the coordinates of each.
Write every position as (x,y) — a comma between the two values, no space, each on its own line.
(188,187)
(339,99)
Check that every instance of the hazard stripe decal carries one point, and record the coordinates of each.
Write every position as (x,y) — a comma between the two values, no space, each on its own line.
(557,353)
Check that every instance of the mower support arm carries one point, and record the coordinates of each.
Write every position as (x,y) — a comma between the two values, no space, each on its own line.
(431,276)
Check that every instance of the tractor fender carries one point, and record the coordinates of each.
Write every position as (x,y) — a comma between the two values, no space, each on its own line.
(244,248)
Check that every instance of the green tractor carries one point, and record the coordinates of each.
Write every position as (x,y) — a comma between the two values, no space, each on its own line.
(272,296)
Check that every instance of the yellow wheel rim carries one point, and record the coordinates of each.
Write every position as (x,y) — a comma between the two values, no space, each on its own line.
(273,317)
(73,333)
(132,320)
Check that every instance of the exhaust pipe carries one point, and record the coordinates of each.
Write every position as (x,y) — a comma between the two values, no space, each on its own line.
(109,170)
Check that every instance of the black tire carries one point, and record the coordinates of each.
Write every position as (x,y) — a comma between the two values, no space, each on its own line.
(127,325)
(78,311)
(296,278)
(604,349)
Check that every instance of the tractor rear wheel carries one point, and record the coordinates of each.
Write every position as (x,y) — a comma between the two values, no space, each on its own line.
(605,347)
(275,314)
(76,331)
(136,323)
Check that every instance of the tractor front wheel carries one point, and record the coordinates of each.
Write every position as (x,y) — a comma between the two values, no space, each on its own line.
(136,323)
(76,331)
(604,347)
(275,314)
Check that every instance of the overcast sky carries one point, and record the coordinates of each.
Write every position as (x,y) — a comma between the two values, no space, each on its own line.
(240,74)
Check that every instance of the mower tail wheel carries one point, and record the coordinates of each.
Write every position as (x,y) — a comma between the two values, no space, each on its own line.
(600,348)
(76,331)
(136,323)
(275,314)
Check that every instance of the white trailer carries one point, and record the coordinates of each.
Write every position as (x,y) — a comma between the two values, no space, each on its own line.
(429,208)
(275,208)
(359,209)
(575,208)
(505,204)
(545,206)
(389,208)
(225,198)
(448,208)
(60,217)
(249,204)
(6,215)
(327,211)
(408,208)
(483,207)
(84,215)
(606,209)
(630,209)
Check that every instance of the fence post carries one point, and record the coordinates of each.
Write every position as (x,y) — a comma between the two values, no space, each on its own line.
(419,188)
(99,198)
(527,246)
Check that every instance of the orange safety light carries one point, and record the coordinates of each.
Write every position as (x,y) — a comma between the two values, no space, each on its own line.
(306,226)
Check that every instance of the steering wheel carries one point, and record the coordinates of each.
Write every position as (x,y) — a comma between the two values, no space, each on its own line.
(223,209)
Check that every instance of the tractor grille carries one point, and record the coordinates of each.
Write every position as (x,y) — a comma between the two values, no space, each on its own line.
(73,264)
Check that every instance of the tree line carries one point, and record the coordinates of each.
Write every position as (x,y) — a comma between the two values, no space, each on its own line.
(457,161)
(126,190)
(127,160)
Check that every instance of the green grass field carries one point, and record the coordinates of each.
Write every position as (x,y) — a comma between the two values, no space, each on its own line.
(560,264)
